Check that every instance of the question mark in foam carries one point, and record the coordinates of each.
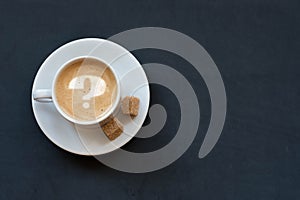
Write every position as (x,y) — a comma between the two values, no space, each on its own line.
(97,88)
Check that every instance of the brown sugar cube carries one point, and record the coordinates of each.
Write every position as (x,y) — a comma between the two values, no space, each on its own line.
(130,106)
(112,129)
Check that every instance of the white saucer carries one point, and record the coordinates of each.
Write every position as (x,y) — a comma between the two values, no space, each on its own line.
(90,140)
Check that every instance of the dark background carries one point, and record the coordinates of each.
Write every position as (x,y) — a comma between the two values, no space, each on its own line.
(254,43)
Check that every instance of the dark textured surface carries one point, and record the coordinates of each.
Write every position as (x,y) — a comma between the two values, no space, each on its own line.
(256,46)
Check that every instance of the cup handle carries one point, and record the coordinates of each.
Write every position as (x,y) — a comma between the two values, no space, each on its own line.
(43,95)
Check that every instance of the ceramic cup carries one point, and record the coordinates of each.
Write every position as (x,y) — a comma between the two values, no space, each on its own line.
(49,96)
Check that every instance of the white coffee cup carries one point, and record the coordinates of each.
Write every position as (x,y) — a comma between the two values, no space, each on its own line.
(48,95)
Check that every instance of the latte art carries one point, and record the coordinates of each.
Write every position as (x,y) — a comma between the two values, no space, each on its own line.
(86,89)
(97,89)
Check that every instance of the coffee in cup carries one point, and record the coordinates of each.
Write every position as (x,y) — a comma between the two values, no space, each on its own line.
(85,89)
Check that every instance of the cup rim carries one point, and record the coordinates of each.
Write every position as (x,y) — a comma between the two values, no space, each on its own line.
(107,113)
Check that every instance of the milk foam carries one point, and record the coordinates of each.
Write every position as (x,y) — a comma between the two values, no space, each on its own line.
(86,89)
